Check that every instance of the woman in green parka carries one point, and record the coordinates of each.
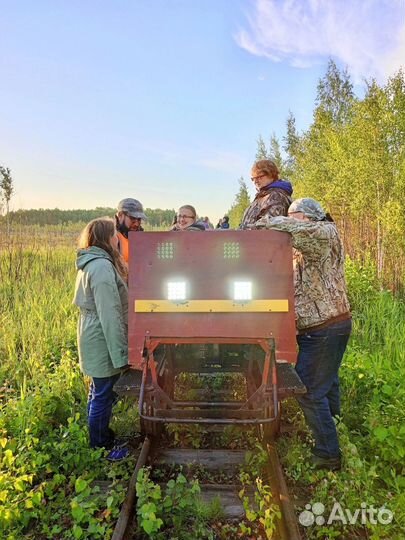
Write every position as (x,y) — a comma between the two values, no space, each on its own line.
(101,294)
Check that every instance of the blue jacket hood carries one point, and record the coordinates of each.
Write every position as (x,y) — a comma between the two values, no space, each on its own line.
(281,184)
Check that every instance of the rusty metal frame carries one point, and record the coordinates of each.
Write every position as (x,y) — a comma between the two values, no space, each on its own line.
(152,395)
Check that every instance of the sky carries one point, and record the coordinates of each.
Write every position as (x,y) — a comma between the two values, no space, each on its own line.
(164,100)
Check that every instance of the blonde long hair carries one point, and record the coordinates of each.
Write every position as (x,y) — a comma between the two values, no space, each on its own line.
(99,232)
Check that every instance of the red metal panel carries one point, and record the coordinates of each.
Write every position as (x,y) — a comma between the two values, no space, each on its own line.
(262,257)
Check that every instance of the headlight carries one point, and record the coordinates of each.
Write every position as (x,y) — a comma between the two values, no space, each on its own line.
(176,290)
(242,290)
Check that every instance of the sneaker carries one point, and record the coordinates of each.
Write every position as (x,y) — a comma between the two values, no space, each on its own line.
(118,453)
(331,464)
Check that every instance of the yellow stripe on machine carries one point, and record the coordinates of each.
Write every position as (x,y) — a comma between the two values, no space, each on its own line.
(211,306)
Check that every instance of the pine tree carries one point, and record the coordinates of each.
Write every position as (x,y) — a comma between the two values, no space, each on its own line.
(275,154)
(6,190)
(241,202)
(261,152)
(335,94)
(291,145)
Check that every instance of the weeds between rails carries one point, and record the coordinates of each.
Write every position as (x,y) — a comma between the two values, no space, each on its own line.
(218,492)
(200,476)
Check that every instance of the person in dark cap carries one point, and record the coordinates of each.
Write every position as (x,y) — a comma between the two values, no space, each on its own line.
(129,217)
(323,319)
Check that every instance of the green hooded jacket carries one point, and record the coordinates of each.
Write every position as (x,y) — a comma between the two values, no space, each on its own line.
(102,330)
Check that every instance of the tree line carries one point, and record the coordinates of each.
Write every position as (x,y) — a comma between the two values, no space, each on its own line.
(46,216)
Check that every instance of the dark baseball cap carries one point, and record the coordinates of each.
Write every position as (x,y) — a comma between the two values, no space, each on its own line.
(132,207)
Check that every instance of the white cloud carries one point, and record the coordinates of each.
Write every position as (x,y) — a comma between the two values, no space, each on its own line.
(367,36)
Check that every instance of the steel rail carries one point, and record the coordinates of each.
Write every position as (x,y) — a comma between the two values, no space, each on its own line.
(288,528)
(128,504)
(232,421)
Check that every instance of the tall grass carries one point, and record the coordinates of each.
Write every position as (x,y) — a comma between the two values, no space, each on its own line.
(46,466)
(36,313)
(43,440)
(376,354)
(372,426)
(373,379)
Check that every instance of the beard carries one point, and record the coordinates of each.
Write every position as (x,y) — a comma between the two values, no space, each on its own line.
(122,228)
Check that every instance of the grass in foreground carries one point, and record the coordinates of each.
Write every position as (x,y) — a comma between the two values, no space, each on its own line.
(47,469)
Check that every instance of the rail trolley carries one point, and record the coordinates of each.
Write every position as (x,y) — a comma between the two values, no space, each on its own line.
(212,302)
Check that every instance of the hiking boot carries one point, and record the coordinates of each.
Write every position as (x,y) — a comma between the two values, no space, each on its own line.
(118,453)
(331,464)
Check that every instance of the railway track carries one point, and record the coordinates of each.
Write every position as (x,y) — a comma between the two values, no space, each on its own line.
(228,462)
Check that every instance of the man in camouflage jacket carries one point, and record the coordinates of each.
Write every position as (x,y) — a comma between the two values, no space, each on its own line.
(273,194)
(323,320)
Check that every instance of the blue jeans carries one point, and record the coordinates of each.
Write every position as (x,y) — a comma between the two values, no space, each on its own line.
(319,357)
(99,407)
